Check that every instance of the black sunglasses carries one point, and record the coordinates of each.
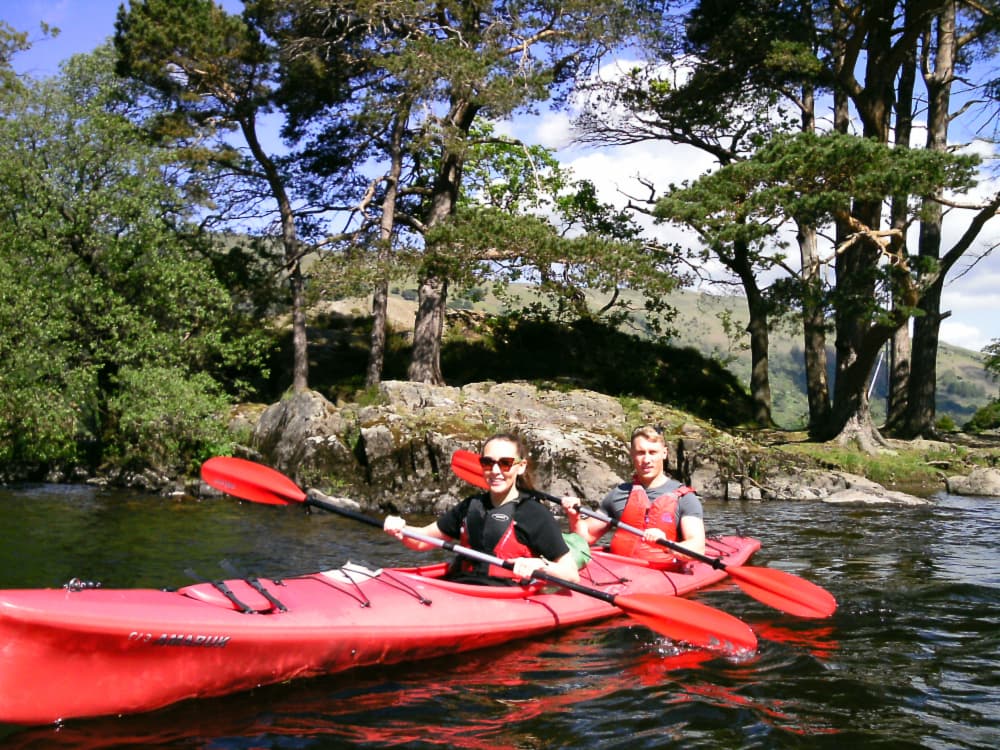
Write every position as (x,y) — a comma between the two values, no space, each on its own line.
(506,463)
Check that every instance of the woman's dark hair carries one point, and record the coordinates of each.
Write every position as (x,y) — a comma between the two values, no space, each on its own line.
(526,481)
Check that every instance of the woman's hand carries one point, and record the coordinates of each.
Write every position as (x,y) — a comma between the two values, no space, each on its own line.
(394,526)
(524,567)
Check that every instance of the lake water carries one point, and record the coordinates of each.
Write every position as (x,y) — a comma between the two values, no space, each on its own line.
(910,660)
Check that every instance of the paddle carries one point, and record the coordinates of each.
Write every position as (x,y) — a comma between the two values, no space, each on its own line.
(776,588)
(672,616)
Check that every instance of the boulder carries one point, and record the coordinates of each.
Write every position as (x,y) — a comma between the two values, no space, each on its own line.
(980,481)
(396,454)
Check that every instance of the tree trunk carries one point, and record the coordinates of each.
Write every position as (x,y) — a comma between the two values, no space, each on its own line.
(760,380)
(380,318)
(425,362)
(859,339)
(300,341)
(813,318)
(380,296)
(851,419)
(859,431)
(900,350)
(900,362)
(758,310)
(814,331)
(293,261)
(432,294)
(920,415)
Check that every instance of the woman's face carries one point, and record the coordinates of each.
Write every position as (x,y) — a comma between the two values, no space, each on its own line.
(501,465)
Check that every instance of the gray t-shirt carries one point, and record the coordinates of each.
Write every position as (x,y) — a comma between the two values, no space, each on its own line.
(614,502)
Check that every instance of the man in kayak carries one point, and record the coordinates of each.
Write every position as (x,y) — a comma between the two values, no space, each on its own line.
(507,521)
(654,502)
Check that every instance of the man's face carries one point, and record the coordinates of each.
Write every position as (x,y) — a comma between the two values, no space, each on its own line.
(647,458)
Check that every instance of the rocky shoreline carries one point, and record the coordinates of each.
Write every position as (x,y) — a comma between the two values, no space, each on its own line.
(394,454)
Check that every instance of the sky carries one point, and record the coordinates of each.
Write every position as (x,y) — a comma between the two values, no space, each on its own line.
(973,298)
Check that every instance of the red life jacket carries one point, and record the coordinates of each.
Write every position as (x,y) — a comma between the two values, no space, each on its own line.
(640,513)
(493,523)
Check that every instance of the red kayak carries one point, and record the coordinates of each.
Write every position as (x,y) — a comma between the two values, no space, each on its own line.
(67,653)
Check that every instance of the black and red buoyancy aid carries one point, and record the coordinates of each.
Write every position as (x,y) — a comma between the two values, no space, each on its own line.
(640,513)
(492,530)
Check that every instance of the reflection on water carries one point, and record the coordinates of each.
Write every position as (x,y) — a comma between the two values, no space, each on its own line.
(910,660)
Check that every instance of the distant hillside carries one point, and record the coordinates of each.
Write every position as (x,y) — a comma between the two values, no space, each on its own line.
(702,323)
(963,385)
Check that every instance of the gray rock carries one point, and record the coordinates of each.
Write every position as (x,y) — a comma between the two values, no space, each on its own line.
(396,454)
(981,482)
(867,497)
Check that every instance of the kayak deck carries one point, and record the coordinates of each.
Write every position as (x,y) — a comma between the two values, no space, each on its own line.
(119,651)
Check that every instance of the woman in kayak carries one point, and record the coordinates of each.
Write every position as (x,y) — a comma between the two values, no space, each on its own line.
(654,502)
(507,521)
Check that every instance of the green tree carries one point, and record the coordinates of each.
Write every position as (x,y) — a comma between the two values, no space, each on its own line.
(717,88)
(959,35)
(214,74)
(524,217)
(750,55)
(444,65)
(104,286)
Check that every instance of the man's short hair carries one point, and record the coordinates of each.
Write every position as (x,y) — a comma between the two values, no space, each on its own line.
(648,432)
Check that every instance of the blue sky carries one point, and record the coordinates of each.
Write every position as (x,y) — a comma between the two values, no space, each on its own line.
(972,298)
(83,25)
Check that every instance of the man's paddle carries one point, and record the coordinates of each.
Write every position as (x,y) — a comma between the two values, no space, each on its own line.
(776,588)
(672,616)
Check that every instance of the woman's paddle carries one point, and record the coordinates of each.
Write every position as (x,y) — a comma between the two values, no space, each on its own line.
(776,588)
(672,616)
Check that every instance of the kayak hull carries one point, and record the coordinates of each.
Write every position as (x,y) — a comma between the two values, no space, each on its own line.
(68,653)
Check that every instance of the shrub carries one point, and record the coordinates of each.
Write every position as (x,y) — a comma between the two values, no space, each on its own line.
(987,418)
(946,424)
(167,419)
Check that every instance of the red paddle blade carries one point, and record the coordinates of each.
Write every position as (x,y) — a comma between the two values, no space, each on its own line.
(251,481)
(784,591)
(690,622)
(466,466)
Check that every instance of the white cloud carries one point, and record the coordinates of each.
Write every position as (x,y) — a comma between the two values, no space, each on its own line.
(962,334)
(554,131)
(618,171)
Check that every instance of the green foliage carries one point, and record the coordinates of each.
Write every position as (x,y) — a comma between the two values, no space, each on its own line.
(102,275)
(42,412)
(952,385)
(992,363)
(987,418)
(11,42)
(586,244)
(812,178)
(209,65)
(168,419)
(890,468)
(946,424)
